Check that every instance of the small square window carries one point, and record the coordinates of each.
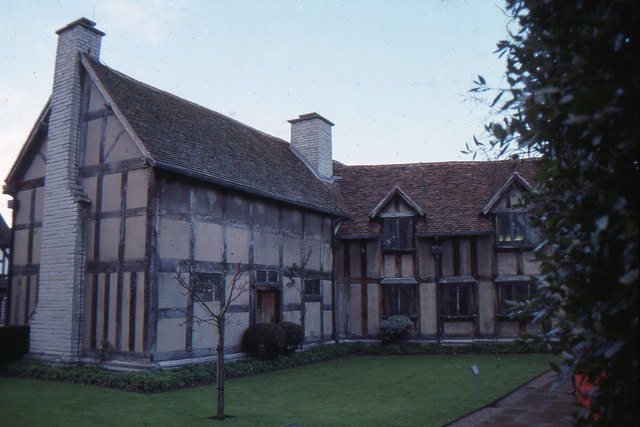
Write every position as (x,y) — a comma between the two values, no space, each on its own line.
(261,276)
(267,277)
(272,276)
(312,288)
(208,286)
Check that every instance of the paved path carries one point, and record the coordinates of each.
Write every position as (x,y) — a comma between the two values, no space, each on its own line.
(530,405)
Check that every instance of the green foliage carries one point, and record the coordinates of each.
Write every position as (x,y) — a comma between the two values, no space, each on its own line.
(264,340)
(293,336)
(191,375)
(382,391)
(573,100)
(14,342)
(395,329)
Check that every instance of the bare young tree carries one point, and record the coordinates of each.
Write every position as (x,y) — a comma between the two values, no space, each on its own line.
(210,293)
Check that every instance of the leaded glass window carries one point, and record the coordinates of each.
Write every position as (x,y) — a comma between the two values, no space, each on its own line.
(509,292)
(398,299)
(207,286)
(397,234)
(514,230)
(457,300)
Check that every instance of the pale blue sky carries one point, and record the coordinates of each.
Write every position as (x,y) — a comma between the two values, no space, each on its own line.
(392,75)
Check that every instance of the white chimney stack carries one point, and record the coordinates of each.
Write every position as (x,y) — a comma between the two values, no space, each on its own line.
(311,141)
(55,326)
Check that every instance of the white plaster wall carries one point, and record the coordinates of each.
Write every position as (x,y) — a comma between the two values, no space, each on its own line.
(356,318)
(135,237)
(486,307)
(172,337)
(21,239)
(37,166)
(506,263)
(373,308)
(170,294)
(92,145)
(266,248)
(174,239)
(458,328)
(237,244)
(531,265)
(312,319)
(118,144)
(137,183)
(109,238)
(428,314)
(111,190)
(485,255)
(208,242)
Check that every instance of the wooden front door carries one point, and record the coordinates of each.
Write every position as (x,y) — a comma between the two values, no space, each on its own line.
(267,306)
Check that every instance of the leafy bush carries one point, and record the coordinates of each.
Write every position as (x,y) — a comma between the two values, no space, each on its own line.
(14,342)
(192,375)
(577,110)
(294,335)
(264,340)
(395,329)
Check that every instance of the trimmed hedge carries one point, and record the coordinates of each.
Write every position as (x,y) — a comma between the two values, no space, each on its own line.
(14,342)
(293,336)
(264,340)
(191,375)
(395,329)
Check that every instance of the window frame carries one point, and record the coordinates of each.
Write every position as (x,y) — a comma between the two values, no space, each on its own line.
(312,289)
(407,229)
(445,299)
(216,293)
(506,231)
(269,278)
(502,304)
(394,291)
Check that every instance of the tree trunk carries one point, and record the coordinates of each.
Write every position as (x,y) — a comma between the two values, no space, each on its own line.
(220,369)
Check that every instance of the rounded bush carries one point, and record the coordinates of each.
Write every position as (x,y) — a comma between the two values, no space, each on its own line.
(293,336)
(395,329)
(264,340)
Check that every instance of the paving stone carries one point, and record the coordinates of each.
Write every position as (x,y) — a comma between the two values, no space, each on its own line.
(533,404)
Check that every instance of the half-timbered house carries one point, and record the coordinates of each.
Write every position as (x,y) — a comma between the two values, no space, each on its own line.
(120,186)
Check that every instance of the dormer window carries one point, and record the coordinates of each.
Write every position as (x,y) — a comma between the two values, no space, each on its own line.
(513,230)
(395,213)
(397,234)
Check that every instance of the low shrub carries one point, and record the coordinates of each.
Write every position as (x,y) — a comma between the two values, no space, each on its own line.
(191,375)
(264,340)
(293,336)
(14,342)
(395,329)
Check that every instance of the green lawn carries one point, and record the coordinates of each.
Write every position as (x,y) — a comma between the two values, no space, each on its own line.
(366,390)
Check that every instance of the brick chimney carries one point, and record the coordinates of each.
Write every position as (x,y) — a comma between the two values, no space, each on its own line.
(311,141)
(56,323)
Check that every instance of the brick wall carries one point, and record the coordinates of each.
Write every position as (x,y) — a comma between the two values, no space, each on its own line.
(55,326)
(311,141)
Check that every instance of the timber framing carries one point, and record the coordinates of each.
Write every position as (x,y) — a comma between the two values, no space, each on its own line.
(169,187)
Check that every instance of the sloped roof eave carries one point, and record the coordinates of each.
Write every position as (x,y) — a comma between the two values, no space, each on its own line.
(395,190)
(515,176)
(114,107)
(234,186)
(157,143)
(24,151)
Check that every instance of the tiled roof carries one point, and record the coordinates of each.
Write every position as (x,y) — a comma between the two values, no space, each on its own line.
(192,140)
(451,194)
